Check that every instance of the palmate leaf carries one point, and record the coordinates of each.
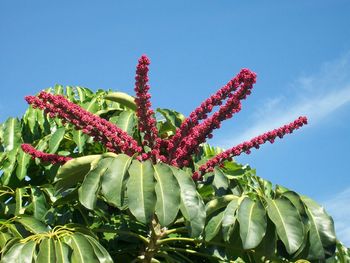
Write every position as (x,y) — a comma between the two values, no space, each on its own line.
(8,166)
(192,206)
(219,203)
(39,203)
(114,180)
(47,252)
(213,226)
(141,190)
(23,161)
(80,139)
(56,139)
(125,121)
(82,250)
(32,224)
(61,251)
(13,255)
(11,134)
(99,250)
(122,98)
(288,223)
(74,171)
(168,194)
(229,219)
(252,222)
(220,182)
(63,247)
(91,184)
(321,233)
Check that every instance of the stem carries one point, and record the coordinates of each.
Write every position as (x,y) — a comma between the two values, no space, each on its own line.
(122,232)
(176,230)
(152,246)
(174,239)
(189,251)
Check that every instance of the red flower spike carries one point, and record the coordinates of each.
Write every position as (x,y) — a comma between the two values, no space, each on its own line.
(202,131)
(247,146)
(44,157)
(146,121)
(200,113)
(114,138)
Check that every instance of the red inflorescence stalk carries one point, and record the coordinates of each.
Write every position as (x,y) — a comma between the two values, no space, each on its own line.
(201,112)
(202,131)
(248,145)
(45,157)
(146,120)
(114,138)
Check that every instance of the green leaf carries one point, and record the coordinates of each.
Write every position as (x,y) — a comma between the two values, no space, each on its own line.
(252,222)
(288,223)
(114,180)
(168,194)
(9,166)
(39,203)
(229,219)
(192,206)
(122,98)
(101,253)
(91,184)
(80,139)
(19,204)
(83,252)
(28,252)
(12,134)
(23,160)
(4,237)
(56,139)
(41,119)
(125,121)
(59,90)
(83,93)
(140,190)
(213,226)
(220,182)
(47,252)
(295,199)
(62,252)
(74,171)
(219,203)
(31,224)
(70,93)
(174,117)
(30,119)
(13,255)
(91,105)
(321,234)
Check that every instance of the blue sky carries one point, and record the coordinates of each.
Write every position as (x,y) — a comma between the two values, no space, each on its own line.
(299,49)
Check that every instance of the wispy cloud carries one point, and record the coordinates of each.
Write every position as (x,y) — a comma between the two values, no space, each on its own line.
(338,206)
(315,96)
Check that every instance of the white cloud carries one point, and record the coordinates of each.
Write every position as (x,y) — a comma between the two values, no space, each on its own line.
(338,207)
(315,96)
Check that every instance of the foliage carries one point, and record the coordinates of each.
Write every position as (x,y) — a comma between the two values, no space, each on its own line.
(113,207)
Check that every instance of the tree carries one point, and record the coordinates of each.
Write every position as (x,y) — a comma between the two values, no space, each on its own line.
(95,177)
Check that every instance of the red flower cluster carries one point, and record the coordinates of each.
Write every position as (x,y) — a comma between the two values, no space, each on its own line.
(45,157)
(202,131)
(146,120)
(245,77)
(114,138)
(177,150)
(247,146)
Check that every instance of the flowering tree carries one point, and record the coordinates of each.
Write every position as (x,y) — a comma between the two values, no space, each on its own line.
(96,177)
